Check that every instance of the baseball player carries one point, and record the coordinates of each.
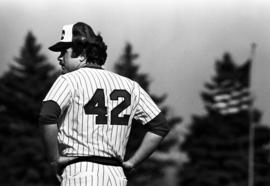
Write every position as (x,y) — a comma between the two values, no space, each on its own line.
(86,115)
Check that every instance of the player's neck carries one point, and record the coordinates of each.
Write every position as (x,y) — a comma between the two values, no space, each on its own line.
(93,65)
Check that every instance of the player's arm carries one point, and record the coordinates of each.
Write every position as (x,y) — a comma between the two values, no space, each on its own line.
(157,130)
(50,111)
(49,114)
(49,134)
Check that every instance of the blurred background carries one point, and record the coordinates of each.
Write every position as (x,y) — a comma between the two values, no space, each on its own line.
(183,53)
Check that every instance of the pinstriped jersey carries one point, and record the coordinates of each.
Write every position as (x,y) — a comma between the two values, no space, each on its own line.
(97,108)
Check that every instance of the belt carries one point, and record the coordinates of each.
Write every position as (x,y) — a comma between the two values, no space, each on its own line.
(95,159)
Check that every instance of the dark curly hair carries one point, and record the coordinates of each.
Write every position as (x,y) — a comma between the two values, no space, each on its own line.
(86,42)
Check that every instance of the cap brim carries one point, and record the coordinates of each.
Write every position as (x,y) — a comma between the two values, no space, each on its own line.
(60,46)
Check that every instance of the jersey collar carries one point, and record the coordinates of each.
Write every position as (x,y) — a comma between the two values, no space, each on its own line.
(93,66)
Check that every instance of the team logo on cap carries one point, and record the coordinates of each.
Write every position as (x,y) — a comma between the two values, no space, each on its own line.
(67,33)
(63,34)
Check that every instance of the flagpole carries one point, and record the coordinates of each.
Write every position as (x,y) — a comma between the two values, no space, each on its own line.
(251,149)
(251,130)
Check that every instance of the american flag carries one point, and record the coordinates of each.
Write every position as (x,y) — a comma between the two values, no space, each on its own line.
(232,94)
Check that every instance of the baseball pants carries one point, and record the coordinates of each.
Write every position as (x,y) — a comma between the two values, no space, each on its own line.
(93,174)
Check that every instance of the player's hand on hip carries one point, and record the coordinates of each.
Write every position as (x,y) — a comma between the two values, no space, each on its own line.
(57,166)
(128,167)
(64,159)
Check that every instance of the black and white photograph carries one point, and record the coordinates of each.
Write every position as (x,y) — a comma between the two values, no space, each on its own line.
(135,93)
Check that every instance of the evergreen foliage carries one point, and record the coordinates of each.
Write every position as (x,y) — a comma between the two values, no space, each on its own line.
(218,145)
(26,82)
(150,172)
(22,89)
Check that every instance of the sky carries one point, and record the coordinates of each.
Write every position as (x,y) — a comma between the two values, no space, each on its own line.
(178,41)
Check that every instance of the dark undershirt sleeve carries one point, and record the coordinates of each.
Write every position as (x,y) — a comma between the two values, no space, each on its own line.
(158,125)
(50,111)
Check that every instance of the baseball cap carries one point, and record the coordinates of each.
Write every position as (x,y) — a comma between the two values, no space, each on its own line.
(72,33)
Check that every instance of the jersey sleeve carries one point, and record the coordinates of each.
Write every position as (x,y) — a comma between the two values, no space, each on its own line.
(60,93)
(146,109)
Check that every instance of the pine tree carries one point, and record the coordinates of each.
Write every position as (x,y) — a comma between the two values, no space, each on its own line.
(149,172)
(218,145)
(22,89)
(25,84)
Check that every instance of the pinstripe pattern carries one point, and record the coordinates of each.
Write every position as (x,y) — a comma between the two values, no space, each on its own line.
(92,174)
(79,134)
